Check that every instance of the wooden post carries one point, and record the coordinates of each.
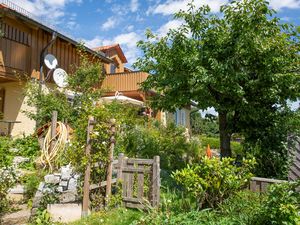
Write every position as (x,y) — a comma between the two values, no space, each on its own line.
(120,167)
(86,186)
(53,129)
(155,189)
(110,159)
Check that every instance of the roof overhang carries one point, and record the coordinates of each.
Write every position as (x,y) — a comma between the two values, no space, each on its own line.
(35,23)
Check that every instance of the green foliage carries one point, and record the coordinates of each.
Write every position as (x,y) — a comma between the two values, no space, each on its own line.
(239,209)
(281,206)
(119,216)
(152,139)
(42,218)
(46,102)
(214,143)
(5,158)
(31,183)
(212,181)
(205,126)
(271,142)
(244,62)
(8,179)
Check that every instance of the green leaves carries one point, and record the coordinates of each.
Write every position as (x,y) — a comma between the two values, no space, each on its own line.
(212,181)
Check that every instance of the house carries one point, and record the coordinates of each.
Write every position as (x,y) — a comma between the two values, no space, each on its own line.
(123,80)
(22,42)
(21,45)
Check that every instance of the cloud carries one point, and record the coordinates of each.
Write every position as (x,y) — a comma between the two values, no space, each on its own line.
(110,23)
(172,24)
(48,12)
(280,4)
(127,42)
(172,6)
(134,5)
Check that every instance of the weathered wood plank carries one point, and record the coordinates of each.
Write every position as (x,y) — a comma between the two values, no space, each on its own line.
(102,184)
(134,205)
(135,200)
(136,170)
(140,183)
(140,161)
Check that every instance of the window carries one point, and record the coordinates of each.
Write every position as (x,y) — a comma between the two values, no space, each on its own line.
(2,98)
(180,117)
(112,68)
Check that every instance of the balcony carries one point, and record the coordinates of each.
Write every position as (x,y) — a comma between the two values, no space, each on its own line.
(124,82)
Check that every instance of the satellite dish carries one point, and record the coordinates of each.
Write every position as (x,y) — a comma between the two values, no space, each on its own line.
(50,61)
(60,77)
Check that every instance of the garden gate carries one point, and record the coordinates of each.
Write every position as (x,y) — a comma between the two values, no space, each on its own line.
(140,178)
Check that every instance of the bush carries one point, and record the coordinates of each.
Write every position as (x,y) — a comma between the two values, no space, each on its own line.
(5,158)
(31,183)
(281,206)
(239,209)
(170,143)
(212,181)
(7,180)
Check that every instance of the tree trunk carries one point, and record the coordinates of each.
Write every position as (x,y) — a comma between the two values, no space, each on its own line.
(225,135)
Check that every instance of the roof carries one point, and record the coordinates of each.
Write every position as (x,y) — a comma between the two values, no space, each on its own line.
(12,8)
(116,47)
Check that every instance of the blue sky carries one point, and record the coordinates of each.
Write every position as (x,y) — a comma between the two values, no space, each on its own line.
(103,22)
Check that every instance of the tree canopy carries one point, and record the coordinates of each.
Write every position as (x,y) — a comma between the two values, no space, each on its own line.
(244,62)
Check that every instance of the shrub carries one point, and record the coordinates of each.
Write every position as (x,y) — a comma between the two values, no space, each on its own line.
(5,158)
(169,143)
(30,183)
(281,206)
(212,181)
(239,209)
(7,179)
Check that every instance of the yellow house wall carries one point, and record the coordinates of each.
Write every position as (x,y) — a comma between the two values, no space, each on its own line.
(14,105)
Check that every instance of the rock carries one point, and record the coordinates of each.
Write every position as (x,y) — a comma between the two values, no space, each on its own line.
(16,218)
(60,189)
(41,186)
(37,199)
(64,213)
(52,179)
(67,196)
(18,189)
(19,159)
(16,194)
(72,184)
(63,183)
(66,172)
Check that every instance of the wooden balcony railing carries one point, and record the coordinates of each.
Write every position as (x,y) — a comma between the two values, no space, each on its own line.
(129,81)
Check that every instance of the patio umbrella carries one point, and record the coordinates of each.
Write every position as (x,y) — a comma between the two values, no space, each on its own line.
(123,99)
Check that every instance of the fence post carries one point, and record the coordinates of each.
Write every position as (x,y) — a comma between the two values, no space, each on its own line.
(110,160)
(53,129)
(155,190)
(120,166)
(86,186)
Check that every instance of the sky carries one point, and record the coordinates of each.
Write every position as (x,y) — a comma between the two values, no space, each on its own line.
(105,22)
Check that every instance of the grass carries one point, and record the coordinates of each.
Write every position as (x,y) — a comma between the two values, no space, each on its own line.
(118,216)
(214,143)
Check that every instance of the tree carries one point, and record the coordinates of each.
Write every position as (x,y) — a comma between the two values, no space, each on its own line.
(243,62)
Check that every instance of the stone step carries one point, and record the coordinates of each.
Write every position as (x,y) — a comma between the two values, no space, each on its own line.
(16,218)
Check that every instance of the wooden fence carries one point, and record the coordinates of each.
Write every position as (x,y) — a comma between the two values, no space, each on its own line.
(140,179)
(259,184)
(294,172)
(132,173)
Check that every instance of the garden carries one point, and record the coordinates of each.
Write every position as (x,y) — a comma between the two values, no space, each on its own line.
(244,64)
